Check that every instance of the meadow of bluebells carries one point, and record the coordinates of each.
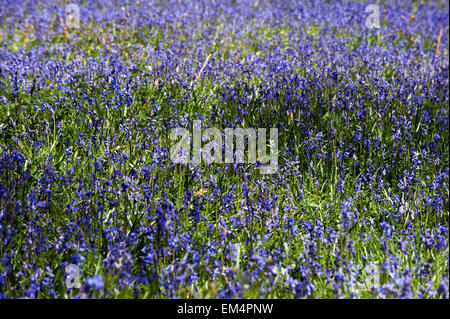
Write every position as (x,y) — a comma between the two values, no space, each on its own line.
(359,206)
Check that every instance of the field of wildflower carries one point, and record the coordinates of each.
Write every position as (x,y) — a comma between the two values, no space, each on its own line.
(92,206)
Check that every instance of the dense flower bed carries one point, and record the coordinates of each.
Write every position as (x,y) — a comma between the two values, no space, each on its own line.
(359,206)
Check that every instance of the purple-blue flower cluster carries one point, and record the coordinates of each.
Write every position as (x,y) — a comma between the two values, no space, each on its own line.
(359,206)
